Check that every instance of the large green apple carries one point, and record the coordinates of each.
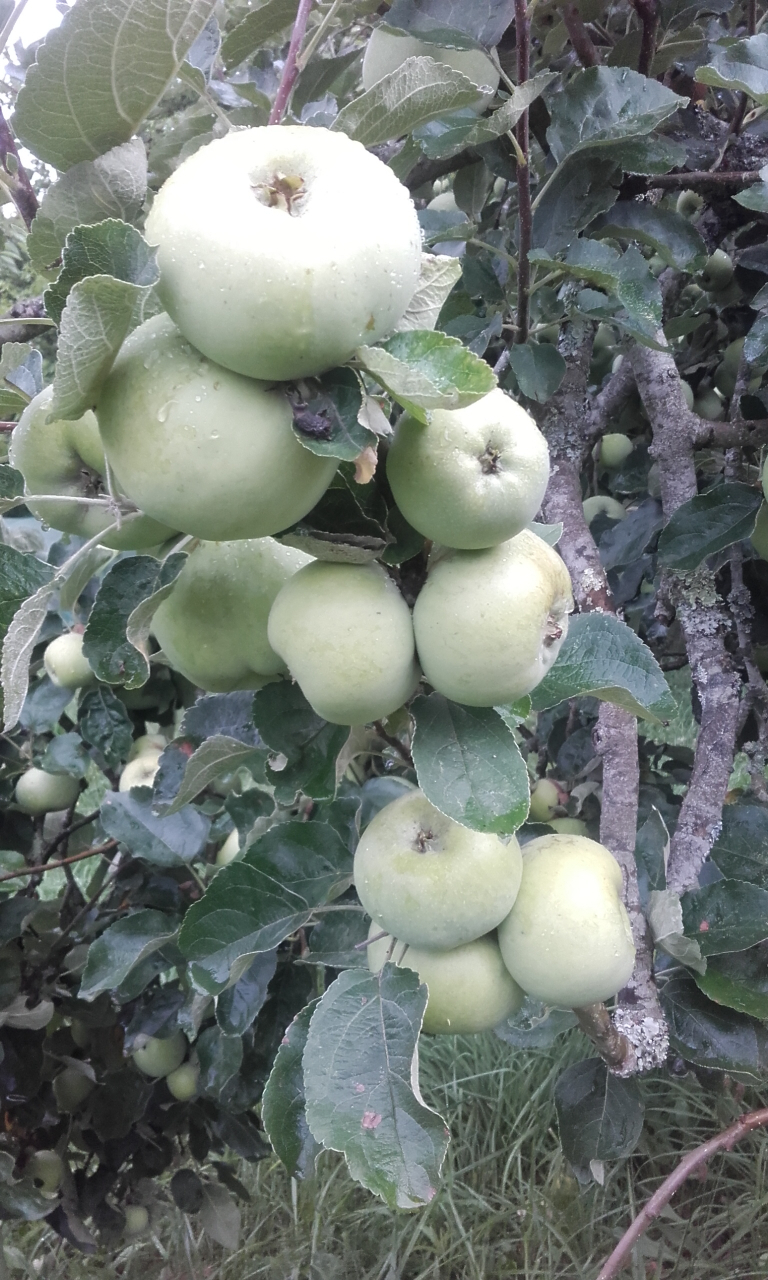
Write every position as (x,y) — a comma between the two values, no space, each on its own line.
(140,772)
(474,477)
(567,939)
(470,988)
(66,663)
(38,792)
(489,624)
(282,250)
(46,1169)
(208,450)
(66,459)
(431,882)
(346,635)
(213,625)
(388,50)
(158,1057)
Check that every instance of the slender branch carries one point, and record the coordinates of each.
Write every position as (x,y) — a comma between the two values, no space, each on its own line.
(17,178)
(724,1141)
(704,178)
(648,13)
(751,17)
(68,831)
(595,1022)
(525,217)
(394,743)
(317,35)
(11,23)
(62,862)
(427,171)
(291,68)
(585,50)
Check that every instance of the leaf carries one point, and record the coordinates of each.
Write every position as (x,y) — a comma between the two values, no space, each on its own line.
(288,725)
(11,488)
(484,21)
(220,1216)
(427,370)
(333,941)
(253,904)
(66,754)
(739,65)
(216,756)
(99,74)
(112,186)
(741,849)
(129,582)
(438,276)
(755,197)
(469,765)
(237,1007)
(756,341)
(577,192)
(539,369)
(730,915)
(325,415)
(625,543)
(165,842)
(599,1115)
(671,236)
(601,107)
(739,980)
(708,523)
(455,130)
(421,89)
(123,946)
(110,248)
(18,643)
(283,1103)
(220,1058)
(665,920)
(77,580)
(104,723)
(709,1034)
(259,26)
(21,575)
(627,277)
(361,1085)
(21,376)
(603,657)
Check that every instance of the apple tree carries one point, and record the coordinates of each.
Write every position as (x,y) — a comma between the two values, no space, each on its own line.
(384,407)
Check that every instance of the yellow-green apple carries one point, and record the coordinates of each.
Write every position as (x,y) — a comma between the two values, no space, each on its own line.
(158,1057)
(282,250)
(66,663)
(183,1081)
(601,504)
(136,1219)
(140,772)
(615,448)
(229,850)
(71,1087)
(46,1169)
(38,792)
(209,451)
(388,50)
(717,272)
(545,799)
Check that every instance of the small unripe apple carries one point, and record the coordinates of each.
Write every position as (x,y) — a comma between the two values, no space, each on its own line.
(429,881)
(759,535)
(470,988)
(601,504)
(445,202)
(46,1169)
(136,1219)
(388,50)
(709,405)
(71,1087)
(567,940)
(229,850)
(545,798)
(568,826)
(140,772)
(38,792)
(182,1082)
(615,448)
(688,395)
(688,203)
(148,744)
(66,663)
(160,1057)
(718,271)
(346,635)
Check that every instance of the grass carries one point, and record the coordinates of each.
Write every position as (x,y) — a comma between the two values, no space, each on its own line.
(508,1206)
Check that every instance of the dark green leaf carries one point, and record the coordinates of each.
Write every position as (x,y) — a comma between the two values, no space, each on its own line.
(739,65)
(673,237)
(421,89)
(104,723)
(237,1007)
(599,1115)
(127,584)
(220,1058)
(577,192)
(484,21)
(21,575)
(326,421)
(602,106)
(288,725)
(741,849)
(627,540)
(729,915)
(44,705)
(216,757)
(109,248)
(66,754)
(128,816)
(122,947)
(739,980)
(709,1034)
(334,941)
(756,342)
(539,369)
(283,1105)
(708,523)
(11,488)
(262,24)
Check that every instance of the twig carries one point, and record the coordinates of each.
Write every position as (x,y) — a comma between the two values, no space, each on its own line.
(724,1141)
(62,862)
(525,217)
(751,17)
(704,178)
(17,178)
(585,50)
(648,13)
(394,743)
(317,35)
(595,1022)
(11,23)
(69,831)
(291,68)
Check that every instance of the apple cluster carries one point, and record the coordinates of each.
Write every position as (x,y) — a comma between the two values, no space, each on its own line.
(484,923)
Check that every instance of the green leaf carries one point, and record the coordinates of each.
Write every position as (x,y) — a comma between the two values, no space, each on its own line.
(122,947)
(438,276)
(421,89)
(334,940)
(252,905)
(289,726)
(262,24)
(237,1007)
(426,370)
(627,277)
(755,197)
(104,723)
(113,186)
(576,193)
(741,849)
(215,757)
(220,1217)
(325,416)
(21,376)
(469,765)
(455,130)
(21,575)
(127,816)
(112,655)
(730,915)
(455,22)
(739,65)
(110,248)
(739,980)
(756,342)
(66,754)
(100,73)
(603,657)
(11,488)
(220,1058)
(539,369)
(283,1103)
(665,921)
(708,523)
(360,1083)
(602,106)
(709,1034)
(672,237)
(599,1115)
(625,543)
(18,643)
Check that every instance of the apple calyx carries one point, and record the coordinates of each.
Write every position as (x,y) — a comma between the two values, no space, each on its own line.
(283,191)
(489,461)
(553,630)
(423,841)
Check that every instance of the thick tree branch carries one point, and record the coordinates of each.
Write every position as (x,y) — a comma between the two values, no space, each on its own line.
(648,13)
(585,50)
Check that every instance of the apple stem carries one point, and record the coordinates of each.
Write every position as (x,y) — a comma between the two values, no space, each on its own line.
(613,1047)
(291,68)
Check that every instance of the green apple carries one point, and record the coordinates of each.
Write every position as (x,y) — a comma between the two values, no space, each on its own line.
(71,1088)
(688,203)
(388,50)
(470,988)
(759,535)
(545,798)
(431,882)
(183,1081)
(473,477)
(213,625)
(66,663)
(66,459)
(615,448)
(230,849)
(148,744)
(567,940)
(568,826)
(159,1058)
(709,405)
(489,624)
(445,202)
(38,792)
(717,273)
(136,1219)
(602,505)
(206,449)
(283,250)
(46,1169)
(141,771)
(346,636)
(688,395)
